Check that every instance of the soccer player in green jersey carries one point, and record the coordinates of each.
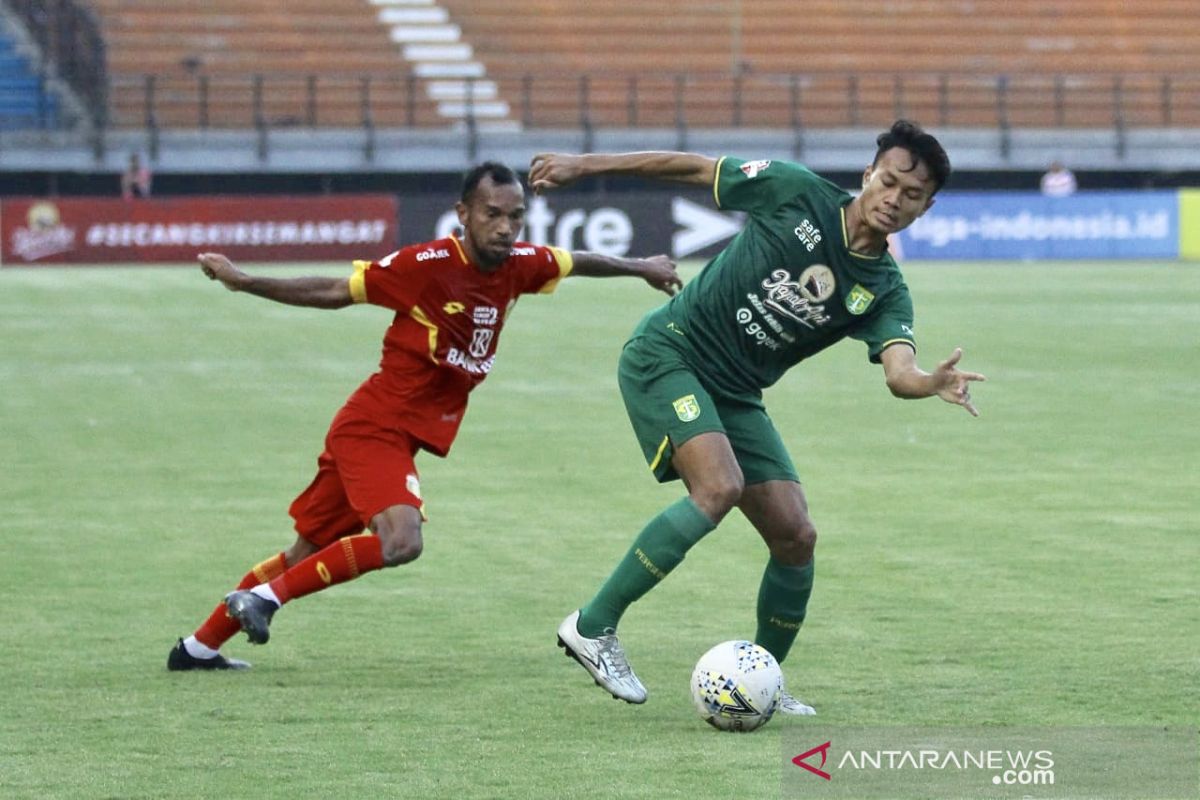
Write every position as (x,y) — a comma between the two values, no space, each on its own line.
(810,268)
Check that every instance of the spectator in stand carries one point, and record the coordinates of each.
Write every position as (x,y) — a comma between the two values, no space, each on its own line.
(135,181)
(1058,181)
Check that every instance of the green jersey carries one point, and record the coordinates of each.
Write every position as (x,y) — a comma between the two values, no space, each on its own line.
(786,287)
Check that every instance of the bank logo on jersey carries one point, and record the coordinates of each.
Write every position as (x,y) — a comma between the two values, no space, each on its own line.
(481,340)
(752,168)
(858,300)
(817,283)
(686,408)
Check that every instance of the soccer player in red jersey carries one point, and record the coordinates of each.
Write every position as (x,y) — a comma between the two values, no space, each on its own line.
(451,297)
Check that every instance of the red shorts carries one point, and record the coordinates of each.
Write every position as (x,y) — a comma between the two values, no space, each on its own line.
(363,470)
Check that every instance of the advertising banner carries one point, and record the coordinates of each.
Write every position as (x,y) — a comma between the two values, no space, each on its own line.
(962,226)
(683,224)
(1024,226)
(155,230)
(1189,224)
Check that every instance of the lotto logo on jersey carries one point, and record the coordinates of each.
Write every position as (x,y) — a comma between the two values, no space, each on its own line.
(752,168)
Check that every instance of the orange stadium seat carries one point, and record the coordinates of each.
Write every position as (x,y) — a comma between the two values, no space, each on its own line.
(661,63)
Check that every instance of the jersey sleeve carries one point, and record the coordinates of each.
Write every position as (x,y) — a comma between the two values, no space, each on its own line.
(761,185)
(891,323)
(549,265)
(393,282)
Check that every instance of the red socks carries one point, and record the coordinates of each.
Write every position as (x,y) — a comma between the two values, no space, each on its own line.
(339,562)
(220,627)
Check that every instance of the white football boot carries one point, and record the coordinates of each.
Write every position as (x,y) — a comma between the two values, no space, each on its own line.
(603,658)
(794,708)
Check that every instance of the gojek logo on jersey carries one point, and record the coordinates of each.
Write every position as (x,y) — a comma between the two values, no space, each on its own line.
(430,253)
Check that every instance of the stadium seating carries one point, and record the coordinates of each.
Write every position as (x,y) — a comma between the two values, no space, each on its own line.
(204,64)
(24,99)
(562,63)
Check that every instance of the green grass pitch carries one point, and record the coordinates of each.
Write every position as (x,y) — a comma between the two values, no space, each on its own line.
(1035,566)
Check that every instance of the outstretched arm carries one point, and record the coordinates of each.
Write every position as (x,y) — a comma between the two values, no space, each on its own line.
(658,271)
(313,292)
(907,380)
(551,170)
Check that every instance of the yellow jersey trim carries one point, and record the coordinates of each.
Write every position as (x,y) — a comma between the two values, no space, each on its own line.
(891,342)
(566,263)
(717,181)
(662,448)
(417,314)
(458,245)
(358,281)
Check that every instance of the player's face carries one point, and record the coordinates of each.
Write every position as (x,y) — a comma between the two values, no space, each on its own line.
(894,193)
(491,220)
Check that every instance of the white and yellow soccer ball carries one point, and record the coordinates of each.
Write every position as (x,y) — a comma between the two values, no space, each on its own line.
(736,686)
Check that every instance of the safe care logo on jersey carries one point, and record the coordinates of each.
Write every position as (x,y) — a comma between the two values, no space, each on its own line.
(753,168)
(859,300)
(808,234)
(686,408)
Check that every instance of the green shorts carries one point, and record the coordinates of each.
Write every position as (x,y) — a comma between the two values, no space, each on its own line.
(668,404)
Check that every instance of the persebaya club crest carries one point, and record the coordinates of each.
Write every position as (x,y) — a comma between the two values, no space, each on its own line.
(686,408)
(858,300)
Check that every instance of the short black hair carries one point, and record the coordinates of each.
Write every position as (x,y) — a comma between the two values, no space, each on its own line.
(921,145)
(501,175)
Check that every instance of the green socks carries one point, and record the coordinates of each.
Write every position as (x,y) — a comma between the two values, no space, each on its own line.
(658,549)
(782,602)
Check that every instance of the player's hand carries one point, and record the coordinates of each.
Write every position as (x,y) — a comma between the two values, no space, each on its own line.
(956,383)
(659,272)
(219,268)
(552,170)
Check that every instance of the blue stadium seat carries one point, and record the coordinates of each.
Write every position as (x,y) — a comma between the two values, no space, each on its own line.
(24,100)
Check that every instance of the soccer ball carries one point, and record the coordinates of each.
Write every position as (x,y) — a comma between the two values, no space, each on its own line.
(736,686)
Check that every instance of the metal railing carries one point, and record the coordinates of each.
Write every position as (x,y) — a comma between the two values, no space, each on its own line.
(778,101)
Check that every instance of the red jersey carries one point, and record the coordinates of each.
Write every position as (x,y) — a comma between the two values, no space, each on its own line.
(442,342)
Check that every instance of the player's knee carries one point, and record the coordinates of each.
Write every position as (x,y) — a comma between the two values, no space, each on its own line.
(399,532)
(806,536)
(719,494)
(401,548)
(796,547)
